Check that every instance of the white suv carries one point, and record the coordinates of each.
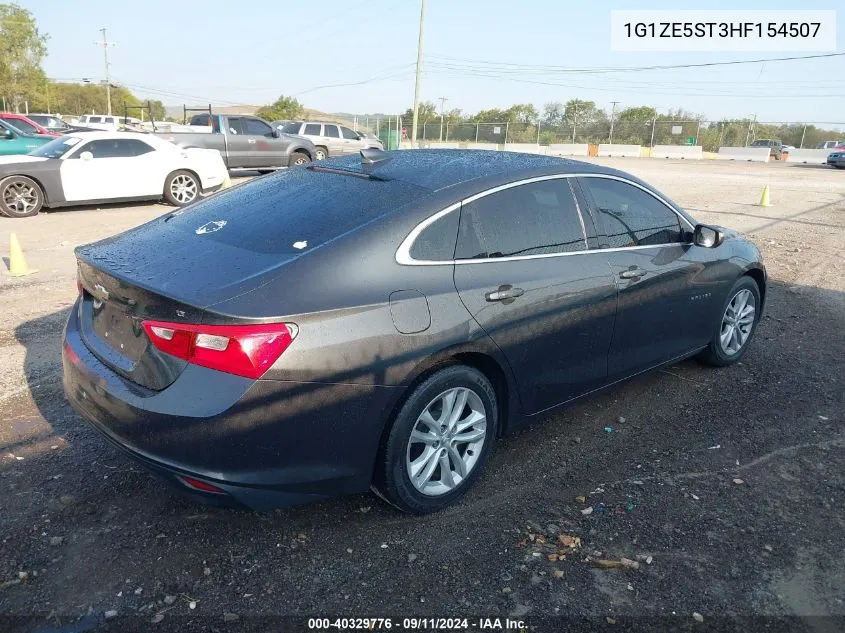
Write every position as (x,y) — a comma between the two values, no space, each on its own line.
(331,139)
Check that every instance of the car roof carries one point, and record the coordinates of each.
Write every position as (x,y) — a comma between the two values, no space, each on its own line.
(13,115)
(436,169)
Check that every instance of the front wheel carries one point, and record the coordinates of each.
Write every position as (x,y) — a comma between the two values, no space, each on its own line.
(298,158)
(20,197)
(181,188)
(439,441)
(736,327)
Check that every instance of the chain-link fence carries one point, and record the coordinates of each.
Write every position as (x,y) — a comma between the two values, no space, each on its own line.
(709,134)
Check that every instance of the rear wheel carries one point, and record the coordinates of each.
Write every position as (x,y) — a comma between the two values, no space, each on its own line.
(439,441)
(298,158)
(20,197)
(738,321)
(181,188)
(321,154)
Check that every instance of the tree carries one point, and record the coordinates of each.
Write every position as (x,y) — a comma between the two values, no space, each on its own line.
(284,108)
(427,112)
(641,114)
(583,112)
(554,113)
(22,47)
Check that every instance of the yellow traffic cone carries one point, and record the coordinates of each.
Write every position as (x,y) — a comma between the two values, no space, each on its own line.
(227,182)
(17,262)
(764,199)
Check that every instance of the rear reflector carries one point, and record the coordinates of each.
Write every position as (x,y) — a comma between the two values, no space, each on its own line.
(243,350)
(201,485)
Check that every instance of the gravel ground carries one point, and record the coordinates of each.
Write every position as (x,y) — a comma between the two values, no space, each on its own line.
(730,481)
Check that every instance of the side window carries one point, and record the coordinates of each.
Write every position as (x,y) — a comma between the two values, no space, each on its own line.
(312,129)
(254,126)
(95,119)
(348,134)
(135,147)
(436,243)
(532,219)
(630,216)
(235,125)
(331,131)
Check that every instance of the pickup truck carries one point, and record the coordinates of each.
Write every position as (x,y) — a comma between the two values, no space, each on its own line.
(244,142)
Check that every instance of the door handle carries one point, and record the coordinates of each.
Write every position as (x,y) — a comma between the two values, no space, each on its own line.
(632,273)
(251,140)
(504,292)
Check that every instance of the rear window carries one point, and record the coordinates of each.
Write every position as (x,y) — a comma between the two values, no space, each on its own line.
(294,211)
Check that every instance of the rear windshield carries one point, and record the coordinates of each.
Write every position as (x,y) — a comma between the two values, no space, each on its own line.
(293,211)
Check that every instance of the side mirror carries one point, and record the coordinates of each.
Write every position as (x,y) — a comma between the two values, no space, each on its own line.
(86,156)
(707,236)
(276,133)
(5,133)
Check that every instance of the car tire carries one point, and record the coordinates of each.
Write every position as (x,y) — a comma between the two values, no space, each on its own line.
(181,188)
(321,154)
(298,158)
(435,403)
(20,197)
(733,334)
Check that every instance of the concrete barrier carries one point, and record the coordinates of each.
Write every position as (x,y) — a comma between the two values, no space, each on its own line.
(528,148)
(814,156)
(568,149)
(694,152)
(482,146)
(760,154)
(614,149)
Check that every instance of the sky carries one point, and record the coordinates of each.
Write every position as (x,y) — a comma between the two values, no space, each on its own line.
(359,57)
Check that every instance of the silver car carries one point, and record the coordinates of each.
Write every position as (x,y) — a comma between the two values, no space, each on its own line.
(331,139)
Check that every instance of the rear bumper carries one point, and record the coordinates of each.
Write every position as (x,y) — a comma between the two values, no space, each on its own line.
(264,443)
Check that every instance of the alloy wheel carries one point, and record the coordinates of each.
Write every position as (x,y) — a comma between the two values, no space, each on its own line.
(183,188)
(737,322)
(446,441)
(19,197)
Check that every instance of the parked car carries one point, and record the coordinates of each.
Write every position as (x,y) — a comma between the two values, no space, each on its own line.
(25,124)
(14,141)
(51,123)
(837,158)
(105,122)
(93,167)
(331,139)
(245,142)
(775,145)
(830,144)
(383,320)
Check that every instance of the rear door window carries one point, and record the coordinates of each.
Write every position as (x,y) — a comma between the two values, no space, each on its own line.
(331,131)
(539,218)
(235,125)
(631,216)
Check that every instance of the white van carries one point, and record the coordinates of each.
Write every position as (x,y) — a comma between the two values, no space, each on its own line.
(99,121)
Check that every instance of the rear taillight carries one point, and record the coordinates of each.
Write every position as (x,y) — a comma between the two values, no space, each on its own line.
(243,350)
(196,484)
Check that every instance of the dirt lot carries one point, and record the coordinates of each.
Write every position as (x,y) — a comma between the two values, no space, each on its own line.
(732,480)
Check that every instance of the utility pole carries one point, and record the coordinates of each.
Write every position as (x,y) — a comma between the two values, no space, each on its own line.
(612,114)
(443,100)
(419,71)
(105,44)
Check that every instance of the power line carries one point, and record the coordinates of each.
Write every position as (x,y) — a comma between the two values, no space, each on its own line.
(607,69)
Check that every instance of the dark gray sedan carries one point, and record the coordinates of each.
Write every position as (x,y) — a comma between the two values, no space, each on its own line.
(379,321)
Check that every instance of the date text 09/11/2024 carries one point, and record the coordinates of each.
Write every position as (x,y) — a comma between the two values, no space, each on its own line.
(721,29)
(416,624)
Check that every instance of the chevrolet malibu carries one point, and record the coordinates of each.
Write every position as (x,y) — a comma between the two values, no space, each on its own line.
(380,321)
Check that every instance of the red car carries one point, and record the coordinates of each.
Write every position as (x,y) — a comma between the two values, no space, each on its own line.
(24,124)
